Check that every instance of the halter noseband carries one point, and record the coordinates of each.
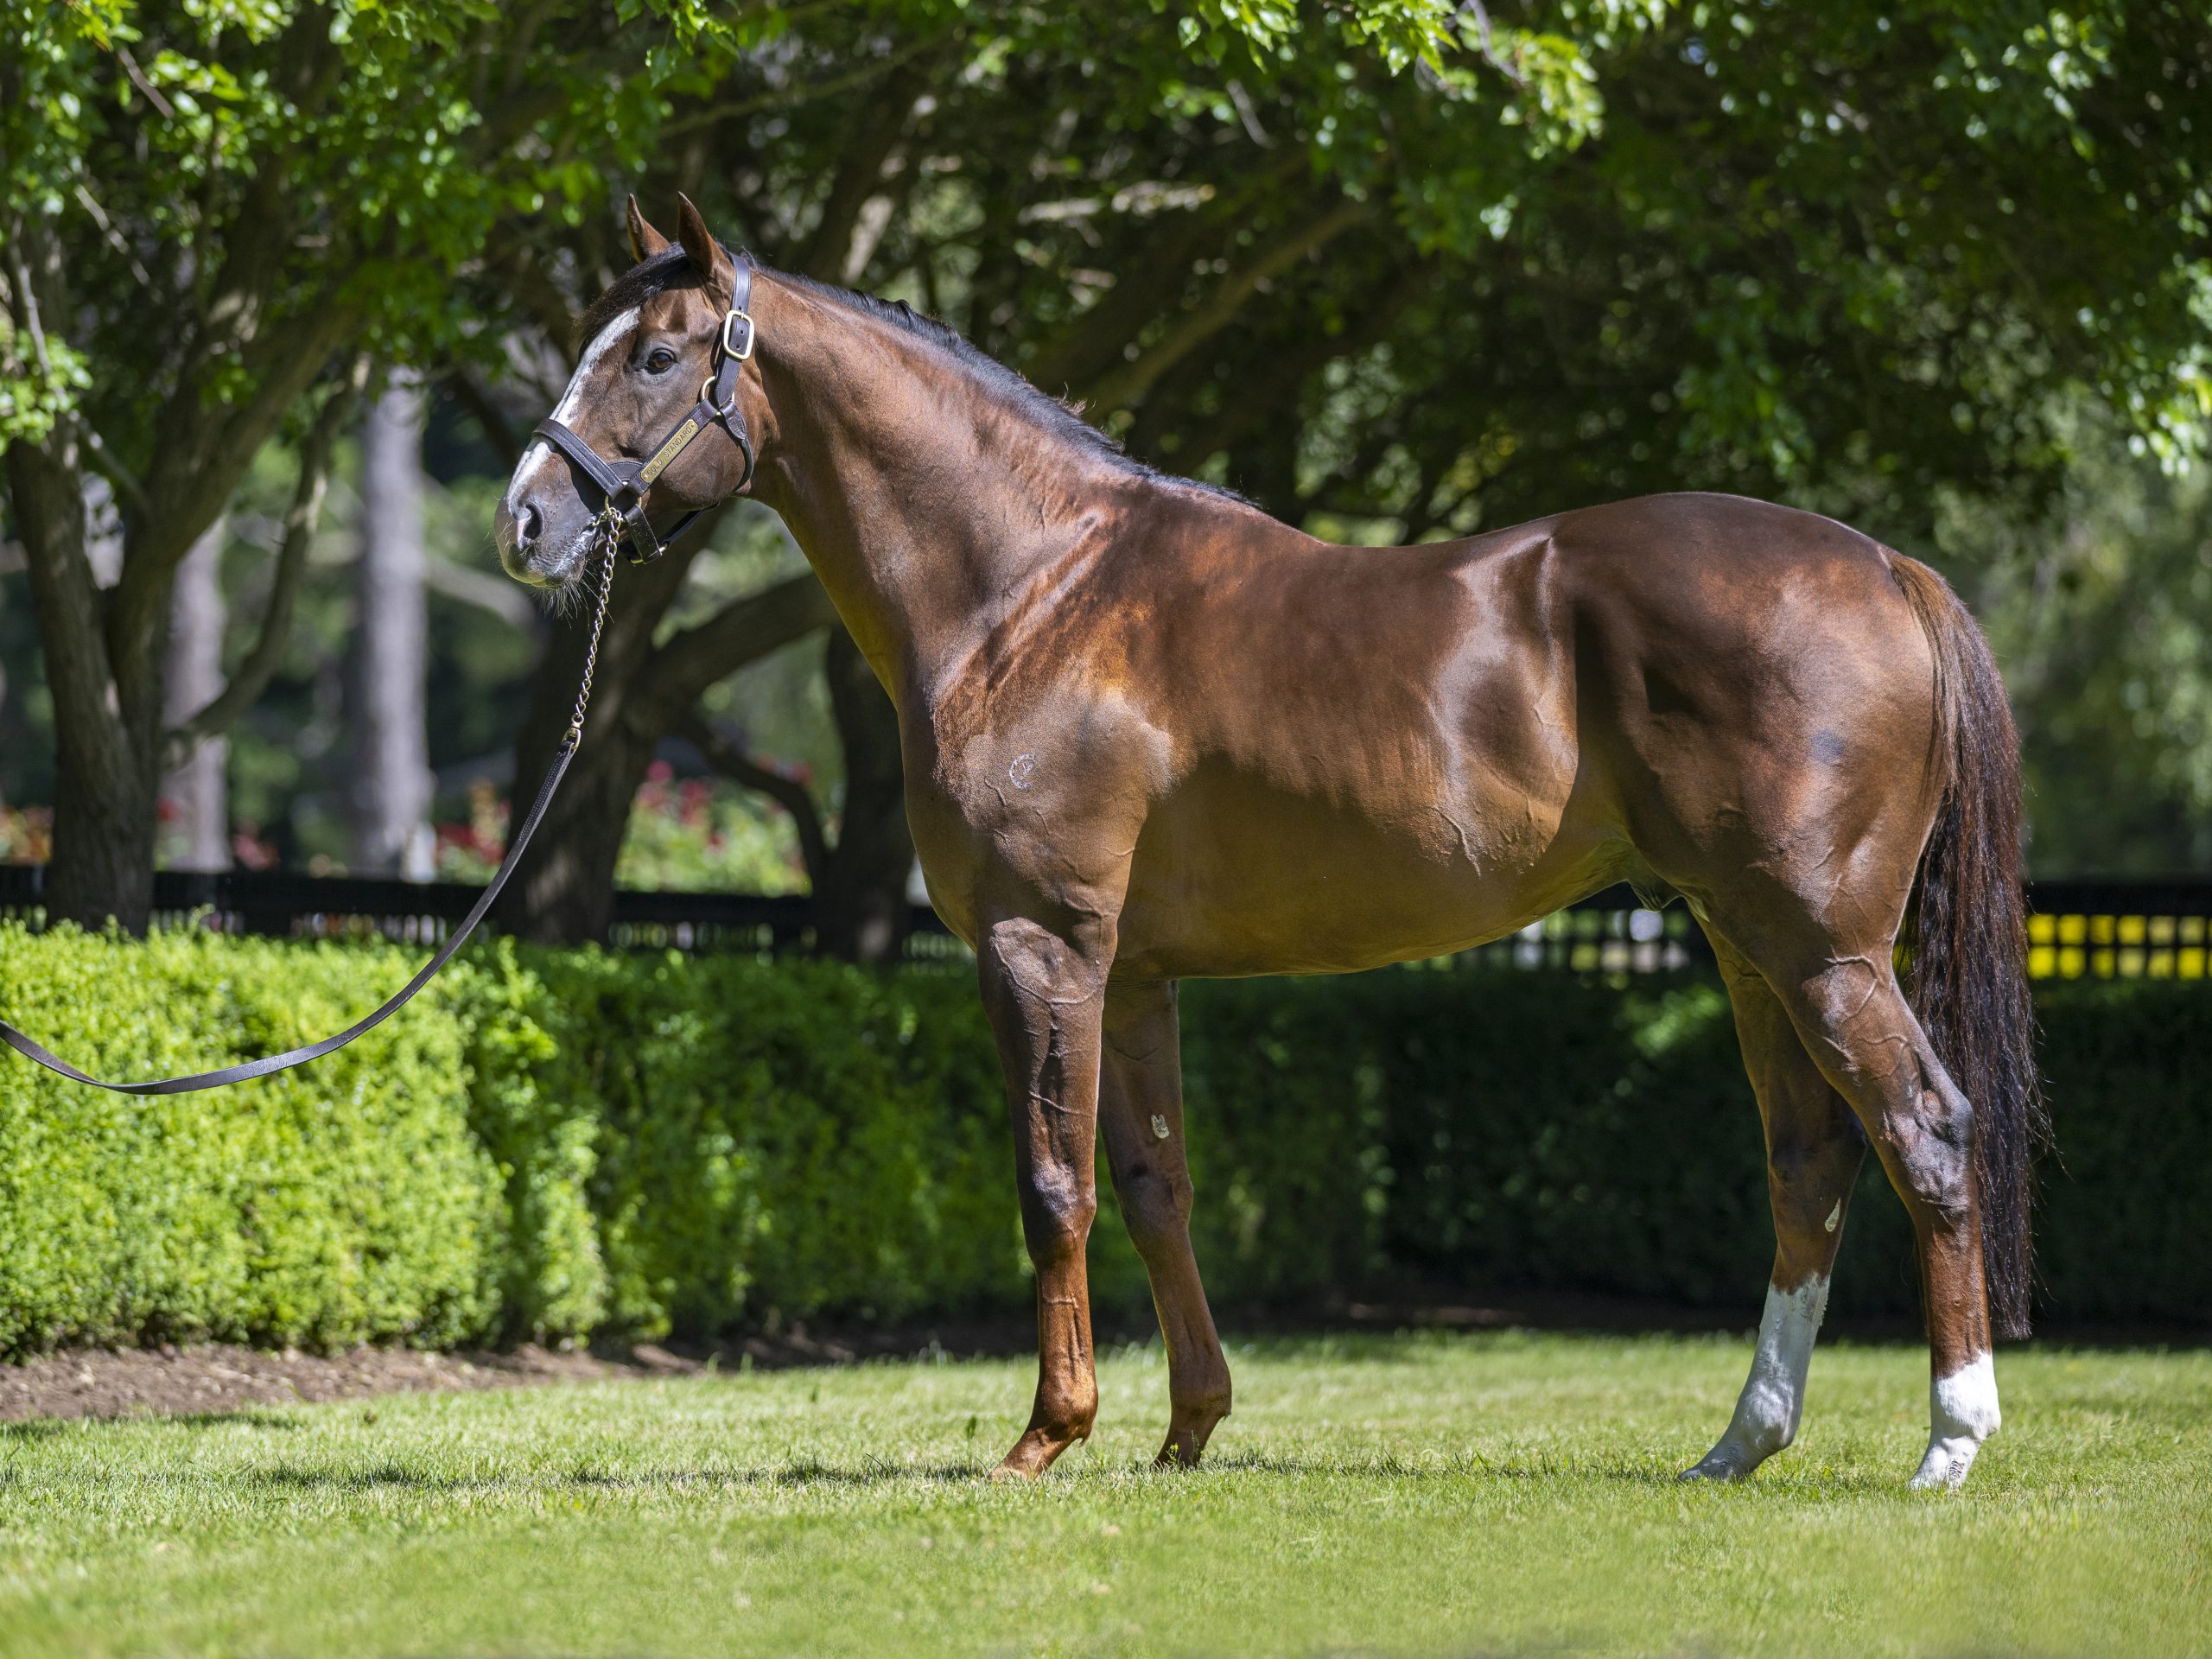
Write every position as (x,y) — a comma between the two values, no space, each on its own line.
(625,483)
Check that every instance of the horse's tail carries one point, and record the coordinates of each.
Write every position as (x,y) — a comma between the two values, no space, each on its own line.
(1965,936)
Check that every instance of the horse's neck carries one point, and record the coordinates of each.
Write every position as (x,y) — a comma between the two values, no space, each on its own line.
(925,505)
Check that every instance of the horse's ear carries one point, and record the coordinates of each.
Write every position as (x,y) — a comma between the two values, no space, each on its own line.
(705,252)
(645,241)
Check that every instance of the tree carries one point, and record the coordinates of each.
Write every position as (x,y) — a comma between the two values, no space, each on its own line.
(197,790)
(2102,612)
(392,767)
(211,209)
(208,211)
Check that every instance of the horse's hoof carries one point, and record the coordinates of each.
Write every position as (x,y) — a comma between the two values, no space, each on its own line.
(1718,1465)
(1944,1469)
(1033,1454)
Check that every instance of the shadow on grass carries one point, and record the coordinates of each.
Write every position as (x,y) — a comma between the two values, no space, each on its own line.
(390,1476)
(44,1428)
(1625,1476)
(36,1428)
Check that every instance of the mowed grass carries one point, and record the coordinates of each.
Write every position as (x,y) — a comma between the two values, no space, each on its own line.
(1408,1494)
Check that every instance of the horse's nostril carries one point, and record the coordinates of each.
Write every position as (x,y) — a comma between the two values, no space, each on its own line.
(527,524)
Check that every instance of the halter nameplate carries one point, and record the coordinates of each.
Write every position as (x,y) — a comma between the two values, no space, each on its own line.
(677,441)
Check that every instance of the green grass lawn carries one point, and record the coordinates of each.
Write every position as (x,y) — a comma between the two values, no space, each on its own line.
(1409,1494)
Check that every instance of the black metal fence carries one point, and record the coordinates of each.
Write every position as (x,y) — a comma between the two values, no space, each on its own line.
(2099,929)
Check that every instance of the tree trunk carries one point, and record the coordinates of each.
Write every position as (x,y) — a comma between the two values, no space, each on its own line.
(198,790)
(861,906)
(391,784)
(565,891)
(107,728)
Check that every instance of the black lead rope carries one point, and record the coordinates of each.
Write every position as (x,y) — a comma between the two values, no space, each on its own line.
(609,536)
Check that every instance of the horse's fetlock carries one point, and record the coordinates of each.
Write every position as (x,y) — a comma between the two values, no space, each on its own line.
(1069,1414)
(1208,1405)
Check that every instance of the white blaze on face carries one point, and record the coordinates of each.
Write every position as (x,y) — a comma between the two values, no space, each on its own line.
(1774,1394)
(1962,1414)
(612,338)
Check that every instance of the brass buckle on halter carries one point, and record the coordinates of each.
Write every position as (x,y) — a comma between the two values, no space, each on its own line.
(730,349)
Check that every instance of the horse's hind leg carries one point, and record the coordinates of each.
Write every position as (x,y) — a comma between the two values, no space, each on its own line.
(1843,996)
(1814,1149)
(1140,1115)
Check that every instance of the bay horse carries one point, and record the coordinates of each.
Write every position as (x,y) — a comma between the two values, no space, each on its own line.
(1150,732)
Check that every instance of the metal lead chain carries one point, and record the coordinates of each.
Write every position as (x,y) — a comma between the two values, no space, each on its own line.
(608,543)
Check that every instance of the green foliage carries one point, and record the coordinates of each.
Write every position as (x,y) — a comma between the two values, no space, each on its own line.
(753,1140)
(1518,1129)
(2102,619)
(560,1143)
(701,836)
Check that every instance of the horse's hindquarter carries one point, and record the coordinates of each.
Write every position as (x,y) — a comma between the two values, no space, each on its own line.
(1759,697)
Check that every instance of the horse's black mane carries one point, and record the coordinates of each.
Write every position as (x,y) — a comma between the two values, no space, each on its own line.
(672,267)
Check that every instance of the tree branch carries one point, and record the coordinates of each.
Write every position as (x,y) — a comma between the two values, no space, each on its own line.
(245,688)
(191,482)
(859,169)
(498,430)
(743,770)
(106,464)
(1274,385)
(675,675)
(784,98)
(1126,383)
(508,600)
(1150,280)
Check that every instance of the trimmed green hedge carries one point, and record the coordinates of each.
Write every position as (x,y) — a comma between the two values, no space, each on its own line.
(340,1202)
(565,1143)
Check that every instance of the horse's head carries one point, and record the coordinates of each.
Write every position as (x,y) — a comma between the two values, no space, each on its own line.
(651,345)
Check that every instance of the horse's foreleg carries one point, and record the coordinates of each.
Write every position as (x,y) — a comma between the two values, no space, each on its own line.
(1140,1115)
(1814,1149)
(1044,994)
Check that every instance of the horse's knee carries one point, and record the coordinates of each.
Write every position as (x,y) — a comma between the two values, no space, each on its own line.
(1056,1210)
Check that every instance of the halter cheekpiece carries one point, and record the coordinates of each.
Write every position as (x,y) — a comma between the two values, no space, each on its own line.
(625,483)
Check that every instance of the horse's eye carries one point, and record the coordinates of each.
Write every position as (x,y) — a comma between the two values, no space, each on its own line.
(659,360)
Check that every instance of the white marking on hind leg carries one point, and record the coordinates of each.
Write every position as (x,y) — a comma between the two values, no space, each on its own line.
(1774,1393)
(1962,1414)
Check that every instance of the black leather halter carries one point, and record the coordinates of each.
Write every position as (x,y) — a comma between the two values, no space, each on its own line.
(624,484)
